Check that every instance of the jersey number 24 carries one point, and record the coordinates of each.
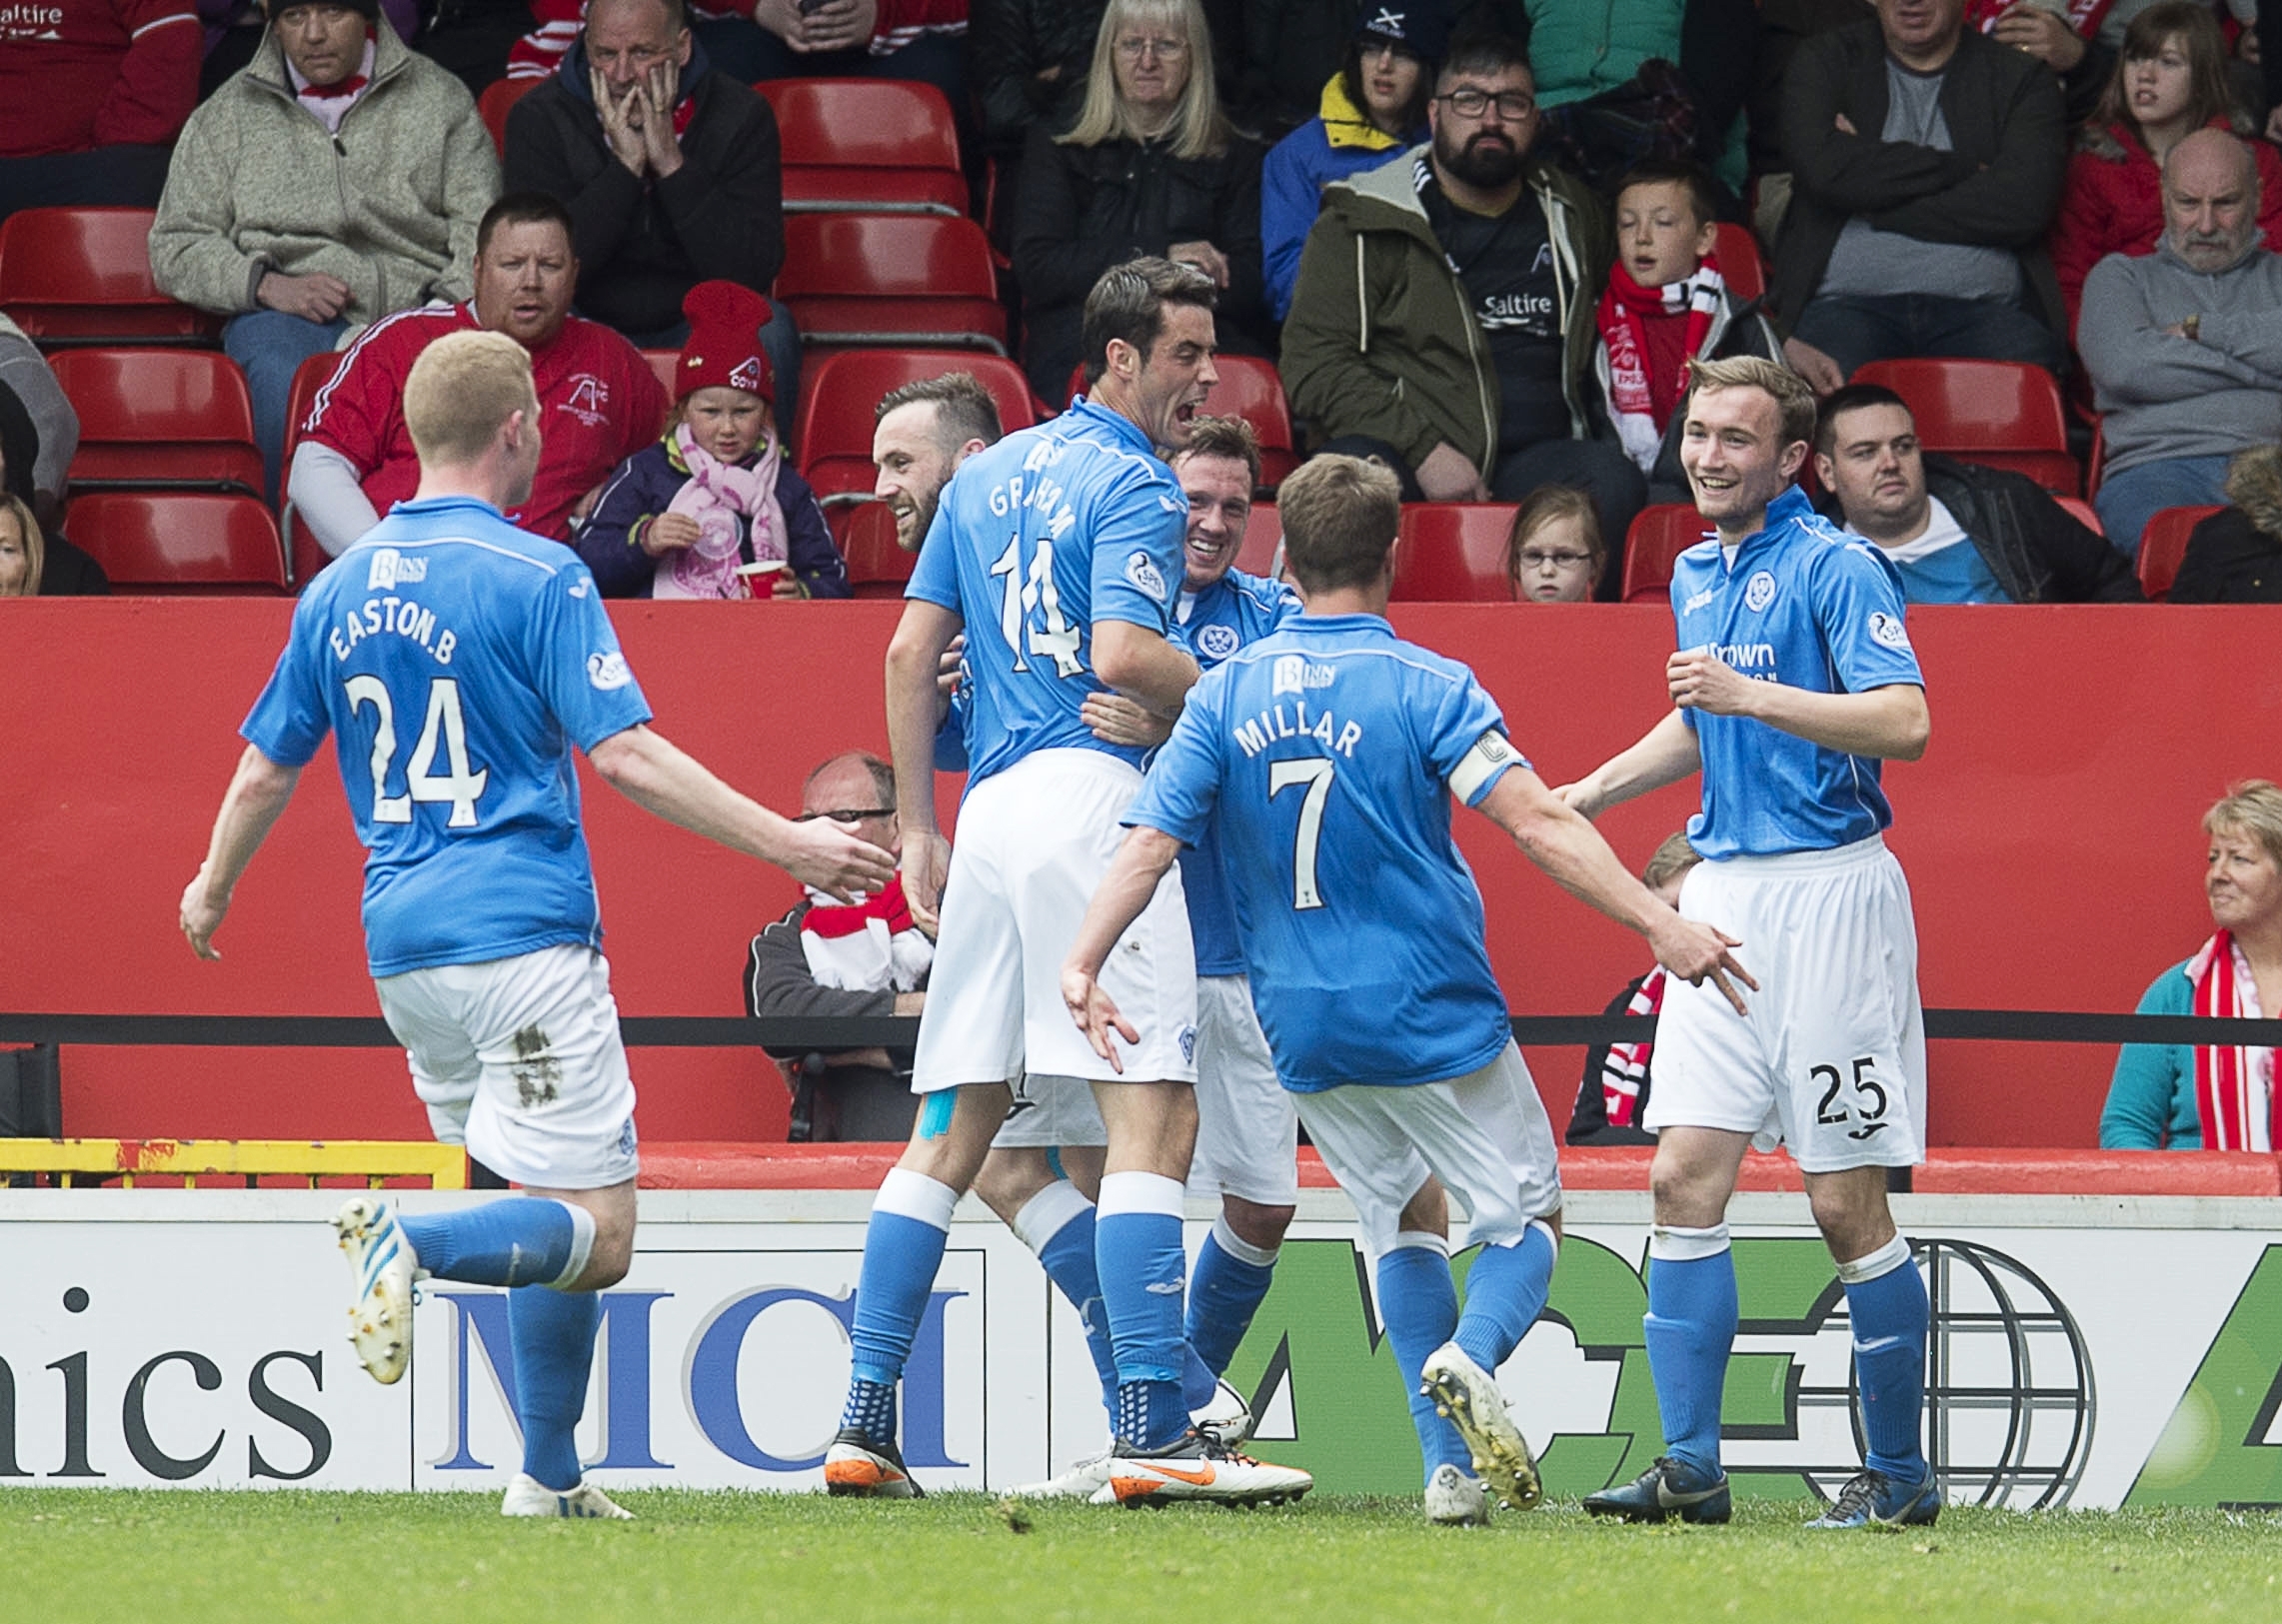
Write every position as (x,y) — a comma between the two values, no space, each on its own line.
(459,784)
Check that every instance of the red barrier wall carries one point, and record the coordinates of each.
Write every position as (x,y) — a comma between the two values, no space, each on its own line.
(2050,837)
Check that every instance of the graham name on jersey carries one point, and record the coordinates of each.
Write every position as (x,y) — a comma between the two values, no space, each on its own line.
(400,616)
(1257,734)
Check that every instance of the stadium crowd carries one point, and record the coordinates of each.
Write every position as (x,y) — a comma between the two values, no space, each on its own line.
(1475,239)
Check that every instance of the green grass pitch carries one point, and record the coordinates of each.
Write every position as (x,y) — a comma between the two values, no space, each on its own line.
(697,1558)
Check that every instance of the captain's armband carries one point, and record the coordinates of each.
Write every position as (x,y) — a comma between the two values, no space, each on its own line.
(1488,755)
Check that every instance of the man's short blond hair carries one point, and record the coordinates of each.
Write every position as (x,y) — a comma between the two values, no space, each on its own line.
(1794,401)
(461,390)
(1339,518)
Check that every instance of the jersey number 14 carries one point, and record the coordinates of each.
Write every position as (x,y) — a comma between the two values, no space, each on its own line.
(460,783)
(1053,635)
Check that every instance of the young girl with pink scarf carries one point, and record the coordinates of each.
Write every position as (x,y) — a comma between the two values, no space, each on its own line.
(714,509)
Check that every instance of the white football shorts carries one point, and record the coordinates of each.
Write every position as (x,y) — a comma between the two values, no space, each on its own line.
(1831,1059)
(520,1060)
(1051,1111)
(1033,842)
(1248,1129)
(1485,1136)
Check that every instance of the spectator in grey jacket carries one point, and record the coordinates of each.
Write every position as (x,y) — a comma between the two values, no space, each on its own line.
(48,416)
(1958,533)
(2185,344)
(337,179)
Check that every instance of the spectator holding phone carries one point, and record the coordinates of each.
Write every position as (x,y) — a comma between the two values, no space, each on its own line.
(714,509)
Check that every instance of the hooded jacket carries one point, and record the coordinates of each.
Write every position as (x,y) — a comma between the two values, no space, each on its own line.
(1996,188)
(1329,147)
(1381,339)
(643,242)
(389,205)
(2037,550)
(2235,555)
(2164,396)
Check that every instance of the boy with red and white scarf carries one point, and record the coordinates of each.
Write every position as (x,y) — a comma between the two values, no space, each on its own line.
(1666,302)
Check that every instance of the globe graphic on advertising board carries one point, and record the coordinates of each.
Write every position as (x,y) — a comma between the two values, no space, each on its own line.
(2009,1395)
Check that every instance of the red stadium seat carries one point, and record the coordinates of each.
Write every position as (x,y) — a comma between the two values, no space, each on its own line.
(160,420)
(1454,553)
(1658,536)
(839,393)
(180,540)
(2163,543)
(664,365)
(2000,414)
(1251,389)
(1740,265)
(304,558)
(83,276)
(1264,534)
(2084,513)
(493,105)
(877,566)
(894,281)
(869,146)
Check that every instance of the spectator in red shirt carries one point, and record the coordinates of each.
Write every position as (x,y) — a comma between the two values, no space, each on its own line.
(599,401)
(2170,81)
(91,94)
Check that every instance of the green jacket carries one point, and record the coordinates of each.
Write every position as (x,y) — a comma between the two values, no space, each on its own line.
(390,206)
(1381,339)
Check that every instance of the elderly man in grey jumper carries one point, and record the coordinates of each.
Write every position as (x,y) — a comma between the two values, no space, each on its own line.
(337,179)
(2185,344)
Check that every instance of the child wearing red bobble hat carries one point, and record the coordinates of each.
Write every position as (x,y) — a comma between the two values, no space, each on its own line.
(714,509)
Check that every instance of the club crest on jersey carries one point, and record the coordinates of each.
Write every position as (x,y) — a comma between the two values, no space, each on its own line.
(607,671)
(1292,674)
(1218,642)
(1143,574)
(1888,630)
(589,399)
(390,569)
(1758,591)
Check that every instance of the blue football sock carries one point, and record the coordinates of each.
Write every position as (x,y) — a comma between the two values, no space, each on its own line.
(903,1247)
(1065,1249)
(1505,1292)
(522,1240)
(553,1335)
(1889,1312)
(1198,1382)
(1691,1329)
(1418,1305)
(1224,1292)
(1137,1246)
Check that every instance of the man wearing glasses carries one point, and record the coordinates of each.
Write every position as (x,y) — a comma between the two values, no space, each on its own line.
(1442,319)
(829,960)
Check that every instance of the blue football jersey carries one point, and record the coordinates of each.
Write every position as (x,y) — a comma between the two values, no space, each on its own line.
(1799,603)
(1235,610)
(1034,540)
(457,661)
(1327,752)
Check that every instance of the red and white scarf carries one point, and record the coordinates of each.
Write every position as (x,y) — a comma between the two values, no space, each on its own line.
(2234,1087)
(2082,16)
(866,947)
(1624,307)
(329,104)
(715,495)
(1624,1074)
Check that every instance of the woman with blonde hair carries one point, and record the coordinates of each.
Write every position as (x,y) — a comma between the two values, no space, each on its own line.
(1151,166)
(2212,1098)
(21,552)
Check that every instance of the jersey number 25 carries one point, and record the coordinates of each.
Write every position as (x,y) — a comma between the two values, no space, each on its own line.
(460,783)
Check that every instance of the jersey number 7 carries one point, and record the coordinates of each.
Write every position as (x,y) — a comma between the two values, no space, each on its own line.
(1317,773)
(461,785)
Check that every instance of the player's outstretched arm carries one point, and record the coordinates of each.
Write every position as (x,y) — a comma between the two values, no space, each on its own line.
(664,781)
(1667,754)
(915,693)
(1554,837)
(1124,890)
(257,792)
(1890,722)
(1142,665)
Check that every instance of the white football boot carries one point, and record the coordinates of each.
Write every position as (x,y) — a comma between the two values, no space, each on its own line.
(1455,1500)
(528,1497)
(380,1262)
(1469,1396)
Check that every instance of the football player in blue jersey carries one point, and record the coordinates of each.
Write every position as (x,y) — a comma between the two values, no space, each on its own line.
(1794,679)
(1057,552)
(1327,754)
(457,660)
